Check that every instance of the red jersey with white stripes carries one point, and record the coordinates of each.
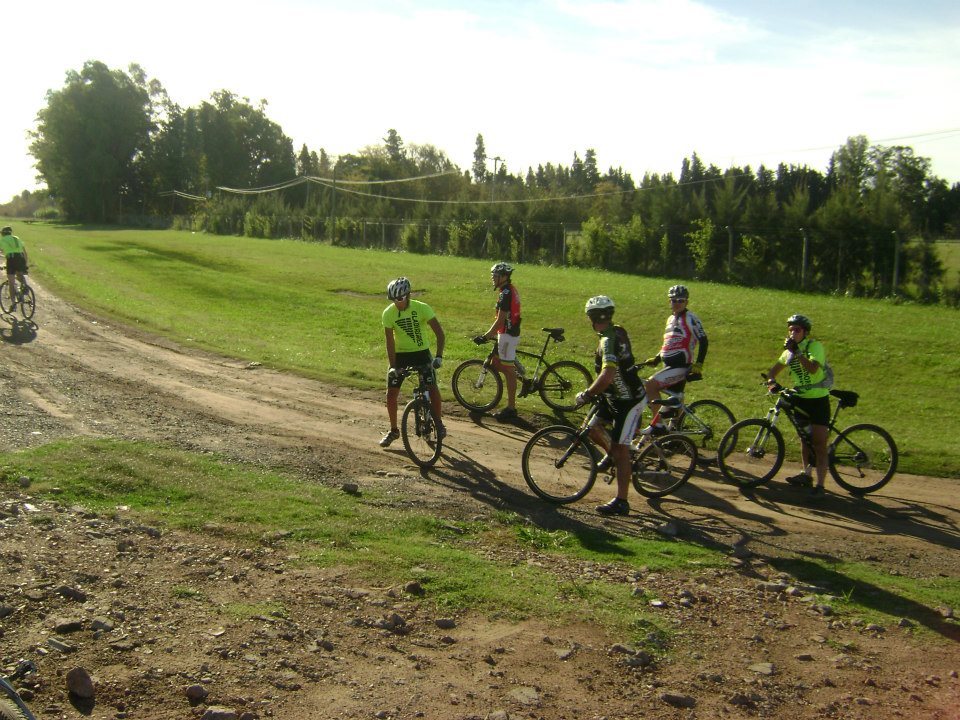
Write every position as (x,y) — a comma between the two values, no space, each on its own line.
(680,338)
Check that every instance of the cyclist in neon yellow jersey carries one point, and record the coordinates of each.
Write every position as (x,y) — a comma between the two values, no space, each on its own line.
(16,256)
(404,326)
(806,359)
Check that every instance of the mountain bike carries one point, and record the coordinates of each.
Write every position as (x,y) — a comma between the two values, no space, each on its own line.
(478,386)
(12,706)
(560,462)
(703,421)
(26,300)
(420,428)
(862,458)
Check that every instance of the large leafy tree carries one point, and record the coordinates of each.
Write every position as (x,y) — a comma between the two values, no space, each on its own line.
(242,147)
(90,138)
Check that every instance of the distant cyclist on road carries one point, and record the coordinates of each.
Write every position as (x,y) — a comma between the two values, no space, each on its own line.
(806,359)
(404,323)
(506,328)
(617,378)
(683,336)
(16,255)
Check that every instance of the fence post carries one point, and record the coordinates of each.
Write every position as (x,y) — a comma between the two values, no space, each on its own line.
(729,251)
(896,260)
(803,260)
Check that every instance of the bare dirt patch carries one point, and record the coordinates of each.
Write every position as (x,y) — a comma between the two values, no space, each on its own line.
(143,609)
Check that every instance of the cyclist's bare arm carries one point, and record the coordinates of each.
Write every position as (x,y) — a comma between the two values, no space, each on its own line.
(391,347)
(438,331)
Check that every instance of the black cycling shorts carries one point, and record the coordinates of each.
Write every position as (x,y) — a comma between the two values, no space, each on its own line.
(421,358)
(16,263)
(817,408)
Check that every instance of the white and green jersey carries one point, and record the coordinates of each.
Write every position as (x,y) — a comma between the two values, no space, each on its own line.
(409,325)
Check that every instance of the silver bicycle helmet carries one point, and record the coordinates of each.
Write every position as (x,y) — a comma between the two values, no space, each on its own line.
(398,289)
(501,268)
(599,308)
(678,292)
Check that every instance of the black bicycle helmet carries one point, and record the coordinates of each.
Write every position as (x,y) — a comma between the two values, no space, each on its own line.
(599,308)
(678,292)
(398,289)
(801,320)
(7,230)
(502,268)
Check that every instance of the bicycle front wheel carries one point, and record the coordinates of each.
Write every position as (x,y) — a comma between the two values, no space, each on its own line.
(751,452)
(705,422)
(561,382)
(863,458)
(476,387)
(28,302)
(664,465)
(418,428)
(6,304)
(559,465)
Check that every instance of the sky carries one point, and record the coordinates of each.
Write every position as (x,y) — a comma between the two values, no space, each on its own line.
(644,83)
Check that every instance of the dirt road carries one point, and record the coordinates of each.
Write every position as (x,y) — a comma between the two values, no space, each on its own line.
(73,374)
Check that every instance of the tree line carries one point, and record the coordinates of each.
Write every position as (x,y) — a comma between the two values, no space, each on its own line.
(112,147)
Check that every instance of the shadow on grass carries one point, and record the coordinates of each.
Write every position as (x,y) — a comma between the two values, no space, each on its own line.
(866,594)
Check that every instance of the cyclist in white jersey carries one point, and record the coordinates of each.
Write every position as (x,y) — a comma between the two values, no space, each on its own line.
(683,339)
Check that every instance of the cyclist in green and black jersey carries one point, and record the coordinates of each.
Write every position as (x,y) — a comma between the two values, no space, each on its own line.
(806,360)
(617,378)
(404,324)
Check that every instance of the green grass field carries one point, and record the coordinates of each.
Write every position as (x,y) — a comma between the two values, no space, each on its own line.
(314,309)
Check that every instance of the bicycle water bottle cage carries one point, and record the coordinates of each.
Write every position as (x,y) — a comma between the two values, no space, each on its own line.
(555,333)
(847,398)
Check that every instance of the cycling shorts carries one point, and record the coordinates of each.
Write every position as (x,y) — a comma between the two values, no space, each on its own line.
(16,263)
(507,347)
(670,376)
(624,415)
(419,359)
(817,408)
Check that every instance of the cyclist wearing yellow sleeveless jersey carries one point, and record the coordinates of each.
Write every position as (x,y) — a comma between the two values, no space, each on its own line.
(16,256)
(806,358)
(404,324)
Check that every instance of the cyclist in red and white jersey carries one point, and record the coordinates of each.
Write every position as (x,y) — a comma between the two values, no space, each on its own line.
(683,339)
(506,328)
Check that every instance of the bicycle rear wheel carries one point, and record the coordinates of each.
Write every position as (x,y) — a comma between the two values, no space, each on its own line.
(751,452)
(476,387)
(6,304)
(561,382)
(863,458)
(705,422)
(559,465)
(418,428)
(9,710)
(28,301)
(664,465)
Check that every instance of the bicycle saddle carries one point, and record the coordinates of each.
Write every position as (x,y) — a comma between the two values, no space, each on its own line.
(847,398)
(555,333)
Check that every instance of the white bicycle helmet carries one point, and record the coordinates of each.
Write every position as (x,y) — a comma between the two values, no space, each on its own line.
(599,308)
(398,289)
(678,292)
(502,268)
